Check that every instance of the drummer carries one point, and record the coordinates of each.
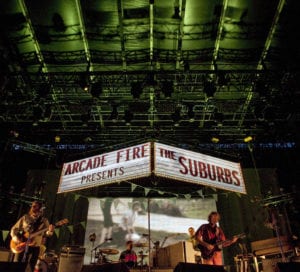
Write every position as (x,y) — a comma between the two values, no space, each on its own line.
(129,256)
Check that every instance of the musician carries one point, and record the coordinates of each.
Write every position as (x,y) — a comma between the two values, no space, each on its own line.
(193,240)
(28,250)
(129,256)
(210,234)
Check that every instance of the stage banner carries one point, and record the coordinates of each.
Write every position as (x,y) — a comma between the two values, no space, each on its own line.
(116,166)
(192,167)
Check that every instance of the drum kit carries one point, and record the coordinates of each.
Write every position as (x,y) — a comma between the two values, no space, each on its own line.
(101,255)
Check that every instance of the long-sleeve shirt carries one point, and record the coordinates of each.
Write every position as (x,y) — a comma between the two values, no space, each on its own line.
(30,226)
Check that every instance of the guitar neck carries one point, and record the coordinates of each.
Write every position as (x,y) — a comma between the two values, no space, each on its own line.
(228,240)
(37,233)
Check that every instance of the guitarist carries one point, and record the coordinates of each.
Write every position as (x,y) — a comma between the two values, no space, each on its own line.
(208,235)
(28,249)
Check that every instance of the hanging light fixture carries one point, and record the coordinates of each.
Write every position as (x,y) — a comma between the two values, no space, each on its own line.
(248,139)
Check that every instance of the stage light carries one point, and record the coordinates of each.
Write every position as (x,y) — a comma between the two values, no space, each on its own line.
(215,140)
(248,139)
(57,139)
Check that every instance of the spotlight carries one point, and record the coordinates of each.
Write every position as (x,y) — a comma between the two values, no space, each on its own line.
(57,139)
(87,139)
(248,139)
(215,140)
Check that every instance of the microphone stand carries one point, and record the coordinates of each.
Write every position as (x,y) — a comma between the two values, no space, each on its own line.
(94,249)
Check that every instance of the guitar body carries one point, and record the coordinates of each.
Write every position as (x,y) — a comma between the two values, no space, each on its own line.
(18,247)
(207,253)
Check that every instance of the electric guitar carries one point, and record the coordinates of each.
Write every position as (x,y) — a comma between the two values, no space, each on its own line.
(26,239)
(208,253)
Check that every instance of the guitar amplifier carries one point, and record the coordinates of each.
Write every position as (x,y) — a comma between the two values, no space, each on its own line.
(171,255)
(5,255)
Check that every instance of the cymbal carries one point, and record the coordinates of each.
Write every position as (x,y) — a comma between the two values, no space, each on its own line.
(142,255)
(109,251)
(141,244)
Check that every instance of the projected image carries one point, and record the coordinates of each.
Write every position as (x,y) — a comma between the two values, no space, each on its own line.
(113,221)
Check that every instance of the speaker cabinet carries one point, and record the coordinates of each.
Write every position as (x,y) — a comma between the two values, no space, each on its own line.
(288,267)
(70,262)
(171,255)
(191,267)
(5,255)
(12,267)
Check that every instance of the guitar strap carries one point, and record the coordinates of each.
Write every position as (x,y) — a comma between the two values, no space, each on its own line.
(33,223)
(37,224)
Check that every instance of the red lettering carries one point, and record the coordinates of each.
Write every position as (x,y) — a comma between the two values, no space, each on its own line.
(81,169)
(220,174)
(227,174)
(211,171)
(135,152)
(119,155)
(68,169)
(208,171)
(237,180)
(181,161)
(202,170)
(193,170)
